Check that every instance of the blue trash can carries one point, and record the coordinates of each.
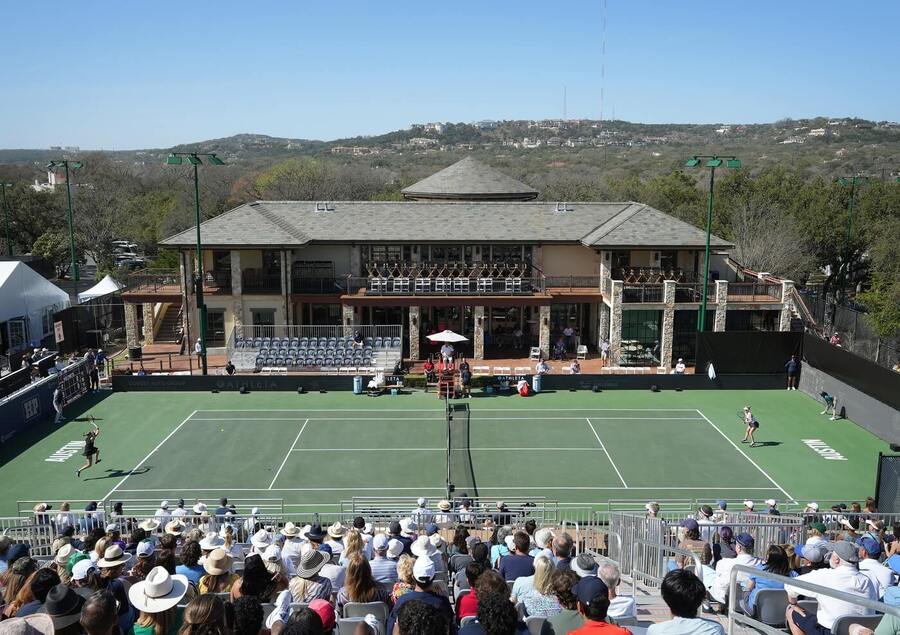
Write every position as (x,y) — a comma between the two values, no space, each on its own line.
(536,383)
(357,385)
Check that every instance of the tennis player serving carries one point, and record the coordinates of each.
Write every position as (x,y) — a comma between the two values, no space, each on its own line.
(752,426)
(90,450)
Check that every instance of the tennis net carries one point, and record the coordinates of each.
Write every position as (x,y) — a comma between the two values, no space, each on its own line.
(460,473)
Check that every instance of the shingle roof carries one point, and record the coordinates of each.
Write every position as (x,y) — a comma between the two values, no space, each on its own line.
(294,223)
(470,179)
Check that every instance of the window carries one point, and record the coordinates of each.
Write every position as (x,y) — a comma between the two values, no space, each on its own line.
(271,261)
(215,327)
(221,260)
(263,317)
(668,260)
(385,253)
(762,320)
(313,269)
(621,259)
(641,338)
(506,253)
(324,314)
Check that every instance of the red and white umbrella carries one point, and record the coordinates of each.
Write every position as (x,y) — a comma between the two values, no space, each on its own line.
(448,336)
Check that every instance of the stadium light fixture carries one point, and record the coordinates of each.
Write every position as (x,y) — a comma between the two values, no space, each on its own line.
(194,158)
(712,162)
(68,165)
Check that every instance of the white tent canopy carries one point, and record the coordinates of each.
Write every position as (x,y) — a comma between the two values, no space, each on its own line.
(105,287)
(24,293)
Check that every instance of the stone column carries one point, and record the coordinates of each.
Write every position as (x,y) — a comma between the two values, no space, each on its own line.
(615,323)
(537,256)
(187,303)
(132,338)
(603,324)
(478,344)
(237,291)
(285,287)
(784,319)
(544,331)
(148,322)
(415,324)
(605,269)
(668,325)
(721,305)
(348,319)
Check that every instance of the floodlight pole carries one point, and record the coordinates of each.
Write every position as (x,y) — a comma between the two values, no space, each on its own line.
(64,163)
(712,162)
(9,250)
(852,181)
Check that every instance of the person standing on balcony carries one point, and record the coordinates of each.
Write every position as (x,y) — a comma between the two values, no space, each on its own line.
(569,334)
(604,350)
(198,350)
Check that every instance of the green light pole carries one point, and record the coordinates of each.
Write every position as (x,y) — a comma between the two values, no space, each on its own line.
(712,162)
(75,165)
(852,181)
(177,158)
(3,187)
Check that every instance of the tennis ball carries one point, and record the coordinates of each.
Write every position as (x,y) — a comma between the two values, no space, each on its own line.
(221,429)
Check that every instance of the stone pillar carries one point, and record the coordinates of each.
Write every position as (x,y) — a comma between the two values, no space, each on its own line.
(285,286)
(544,331)
(237,291)
(132,338)
(537,256)
(668,325)
(603,324)
(615,323)
(605,269)
(187,300)
(348,318)
(478,344)
(415,324)
(784,319)
(148,322)
(721,305)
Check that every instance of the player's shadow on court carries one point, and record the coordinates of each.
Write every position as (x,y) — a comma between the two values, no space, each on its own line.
(765,444)
(120,473)
(85,419)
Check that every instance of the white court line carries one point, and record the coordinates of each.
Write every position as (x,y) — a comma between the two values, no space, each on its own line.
(442,489)
(477,418)
(365,419)
(433,410)
(502,449)
(603,447)
(286,456)
(754,463)
(144,460)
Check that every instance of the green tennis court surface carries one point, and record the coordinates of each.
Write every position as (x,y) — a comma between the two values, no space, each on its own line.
(312,451)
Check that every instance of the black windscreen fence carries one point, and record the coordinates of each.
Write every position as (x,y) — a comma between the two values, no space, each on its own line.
(738,352)
(888,493)
(874,380)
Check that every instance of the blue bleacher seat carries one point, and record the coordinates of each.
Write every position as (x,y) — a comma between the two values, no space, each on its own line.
(270,361)
(309,362)
(329,361)
(304,342)
(320,361)
(378,342)
(368,341)
(395,343)
(279,361)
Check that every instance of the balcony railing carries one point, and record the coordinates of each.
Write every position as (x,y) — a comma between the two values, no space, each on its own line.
(324,285)
(440,286)
(693,292)
(258,281)
(572,282)
(642,293)
(754,292)
(653,275)
(217,280)
(153,281)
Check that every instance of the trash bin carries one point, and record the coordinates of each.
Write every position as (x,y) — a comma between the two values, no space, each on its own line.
(357,385)
(134,353)
(536,383)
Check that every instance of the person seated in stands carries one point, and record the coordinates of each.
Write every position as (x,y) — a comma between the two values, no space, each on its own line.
(542,367)
(743,547)
(357,339)
(142,372)
(683,593)
(679,367)
(229,368)
(575,367)
(620,606)
(559,348)
(398,367)
(430,376)
(593,604)
(693,543)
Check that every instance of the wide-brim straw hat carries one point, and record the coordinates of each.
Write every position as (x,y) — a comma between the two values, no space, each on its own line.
(150,524)
(158,592)
(211,541)
(261,539)
(337,531)
(199,508)
(175,527)
(310,564)
(62,556)
(423,547)
(290,530)
(113,557)
(444,505)
(218,562)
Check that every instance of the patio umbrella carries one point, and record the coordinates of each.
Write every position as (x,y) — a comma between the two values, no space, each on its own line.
(447,336)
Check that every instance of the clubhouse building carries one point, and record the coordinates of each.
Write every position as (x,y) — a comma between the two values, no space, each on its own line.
(470,250)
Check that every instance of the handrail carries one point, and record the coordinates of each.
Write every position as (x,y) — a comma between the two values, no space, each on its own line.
(851,598)
(662,547)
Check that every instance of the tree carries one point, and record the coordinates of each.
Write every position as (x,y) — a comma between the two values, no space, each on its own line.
(53,246)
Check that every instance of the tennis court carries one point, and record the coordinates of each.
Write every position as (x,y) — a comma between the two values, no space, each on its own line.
(313,451)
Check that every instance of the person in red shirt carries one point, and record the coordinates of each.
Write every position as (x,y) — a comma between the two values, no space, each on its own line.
(593,603)
(468,604)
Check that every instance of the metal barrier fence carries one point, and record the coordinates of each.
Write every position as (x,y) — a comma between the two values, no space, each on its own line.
(648,562)
(736,617)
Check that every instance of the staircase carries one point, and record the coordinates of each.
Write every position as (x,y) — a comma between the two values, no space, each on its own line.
(170,331)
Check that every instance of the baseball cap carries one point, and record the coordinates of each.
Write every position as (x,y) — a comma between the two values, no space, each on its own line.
(820,527)
(872,547)
(814,506)
(770,502)
(431,529)
(380,542)
(421,501)
(325,612)
(748,503)
(690,524)
(745,540)
(423,569)
(706,510)
(81,569)
(723,504)
(846,551)
(589,588)
(144,549)
(324,549)
(813,553)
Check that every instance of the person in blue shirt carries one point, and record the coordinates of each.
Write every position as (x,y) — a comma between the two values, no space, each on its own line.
(423,573)
(518,564)
(776,562)
(190,567)
(793,372)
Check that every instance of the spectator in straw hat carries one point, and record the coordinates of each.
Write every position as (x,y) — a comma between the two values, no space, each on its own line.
(156,598)
(423,547)
(444,517)
(39,624)
(260,541)
(60,560)
(307,585)
(149,525)
(218,578)
(209,542)
(335,540)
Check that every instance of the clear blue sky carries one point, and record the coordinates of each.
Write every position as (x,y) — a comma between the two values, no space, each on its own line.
(118,75)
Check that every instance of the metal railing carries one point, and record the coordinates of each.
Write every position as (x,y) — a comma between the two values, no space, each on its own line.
(153,281)
(653,275)
(572,282)
(324,285)
(649,564)
(754,291)
(249,331)
(446,286)
(642,293)
(693,292)
(258,281)
(736,617)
